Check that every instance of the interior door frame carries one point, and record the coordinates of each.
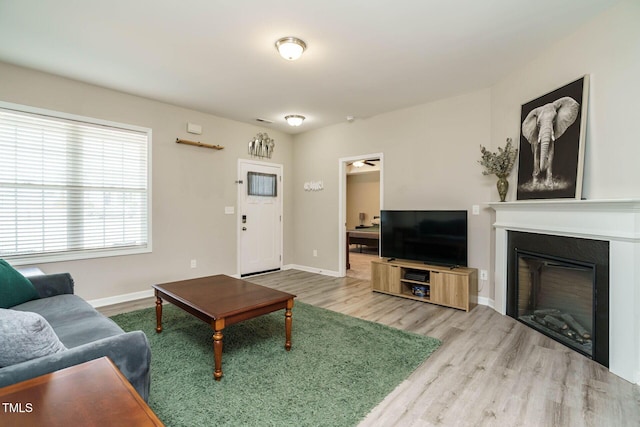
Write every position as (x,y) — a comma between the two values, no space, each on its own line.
(241,188)
(342,204)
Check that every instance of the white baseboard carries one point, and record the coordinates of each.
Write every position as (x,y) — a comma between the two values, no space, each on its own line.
(103,302)
(486,301)
(310,270)
(117,299)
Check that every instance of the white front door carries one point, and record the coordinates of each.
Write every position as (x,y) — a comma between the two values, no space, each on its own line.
(259,217)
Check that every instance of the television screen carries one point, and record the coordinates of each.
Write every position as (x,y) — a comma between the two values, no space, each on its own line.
(434,237)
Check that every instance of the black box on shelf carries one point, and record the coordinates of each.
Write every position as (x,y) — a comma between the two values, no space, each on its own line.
(418,276)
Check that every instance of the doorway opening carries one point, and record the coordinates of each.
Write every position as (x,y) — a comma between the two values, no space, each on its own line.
(361,199)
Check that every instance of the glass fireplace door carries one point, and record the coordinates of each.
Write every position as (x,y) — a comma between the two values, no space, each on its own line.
(556,297)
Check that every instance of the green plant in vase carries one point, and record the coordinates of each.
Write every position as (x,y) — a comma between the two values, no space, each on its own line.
(500,165)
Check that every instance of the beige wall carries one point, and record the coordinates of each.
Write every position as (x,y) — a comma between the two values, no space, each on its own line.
(431,150)
(190,185)
(608,49)
(363,195)
(430,155)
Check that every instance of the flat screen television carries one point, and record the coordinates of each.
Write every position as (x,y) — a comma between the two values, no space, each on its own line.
(435,237)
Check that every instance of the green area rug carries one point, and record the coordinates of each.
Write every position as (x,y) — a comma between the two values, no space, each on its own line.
(338,370)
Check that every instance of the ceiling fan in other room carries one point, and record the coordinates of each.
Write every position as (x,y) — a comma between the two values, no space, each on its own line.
(361,163)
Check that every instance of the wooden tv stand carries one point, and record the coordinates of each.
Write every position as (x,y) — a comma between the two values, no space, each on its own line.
(450,287)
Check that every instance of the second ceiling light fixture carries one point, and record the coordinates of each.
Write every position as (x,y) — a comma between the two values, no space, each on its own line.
(291,48)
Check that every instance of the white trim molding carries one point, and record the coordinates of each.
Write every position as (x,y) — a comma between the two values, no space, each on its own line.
(118,299)
(311,270)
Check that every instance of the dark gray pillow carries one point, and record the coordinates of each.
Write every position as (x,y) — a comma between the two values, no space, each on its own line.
(25,335)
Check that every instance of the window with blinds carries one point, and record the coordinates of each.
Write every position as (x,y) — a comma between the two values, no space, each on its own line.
(71,187)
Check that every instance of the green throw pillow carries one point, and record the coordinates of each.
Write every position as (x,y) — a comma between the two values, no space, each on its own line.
(14,287)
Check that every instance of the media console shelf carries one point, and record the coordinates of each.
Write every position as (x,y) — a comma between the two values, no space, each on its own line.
(456,288)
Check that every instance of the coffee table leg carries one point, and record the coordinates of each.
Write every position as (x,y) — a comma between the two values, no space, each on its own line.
(217,348)
(158,314)
(287,325)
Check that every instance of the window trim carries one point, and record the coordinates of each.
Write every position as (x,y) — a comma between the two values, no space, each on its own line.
(89,253)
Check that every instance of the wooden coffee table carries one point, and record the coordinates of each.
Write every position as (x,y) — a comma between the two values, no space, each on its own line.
(221,301)
(94,393)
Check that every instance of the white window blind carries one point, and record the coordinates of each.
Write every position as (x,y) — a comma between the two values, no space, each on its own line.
(71,188)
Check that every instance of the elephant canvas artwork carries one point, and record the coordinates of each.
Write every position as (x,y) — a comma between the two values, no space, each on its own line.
(552,143)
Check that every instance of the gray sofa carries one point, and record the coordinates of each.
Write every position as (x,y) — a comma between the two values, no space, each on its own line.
(85,333)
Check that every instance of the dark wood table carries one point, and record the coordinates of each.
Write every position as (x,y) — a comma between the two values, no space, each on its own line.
(368,236)
(94,393)
(220,301)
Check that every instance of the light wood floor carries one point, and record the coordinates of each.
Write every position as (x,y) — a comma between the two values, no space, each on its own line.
(360,263)
(489,371)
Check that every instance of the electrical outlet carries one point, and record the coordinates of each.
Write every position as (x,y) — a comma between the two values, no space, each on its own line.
(194,263)
(315,252)
(484,275)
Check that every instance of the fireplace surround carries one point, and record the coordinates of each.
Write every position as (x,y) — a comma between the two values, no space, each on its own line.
(616,222)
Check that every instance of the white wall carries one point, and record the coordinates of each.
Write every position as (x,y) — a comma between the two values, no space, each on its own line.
(191,185)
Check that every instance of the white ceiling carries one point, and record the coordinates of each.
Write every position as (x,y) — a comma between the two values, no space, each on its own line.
(363,58)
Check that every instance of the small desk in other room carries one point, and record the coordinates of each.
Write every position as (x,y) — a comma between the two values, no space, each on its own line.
(369,236)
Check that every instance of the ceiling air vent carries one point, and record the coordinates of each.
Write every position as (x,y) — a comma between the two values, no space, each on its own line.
(263,120)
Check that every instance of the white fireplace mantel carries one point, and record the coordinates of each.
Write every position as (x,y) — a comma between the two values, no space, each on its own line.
(615,221)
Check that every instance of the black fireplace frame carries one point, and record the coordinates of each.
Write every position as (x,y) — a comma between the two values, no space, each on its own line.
(581,250)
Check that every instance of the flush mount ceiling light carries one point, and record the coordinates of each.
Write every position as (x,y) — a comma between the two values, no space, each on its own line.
(290,48)
(294,119)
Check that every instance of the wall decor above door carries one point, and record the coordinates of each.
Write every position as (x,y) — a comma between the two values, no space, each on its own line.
(261,145)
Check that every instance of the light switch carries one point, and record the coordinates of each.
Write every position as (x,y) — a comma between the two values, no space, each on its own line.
(194,128)
(475,210)
(229,210)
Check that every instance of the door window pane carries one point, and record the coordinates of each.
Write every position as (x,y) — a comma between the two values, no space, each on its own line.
(262,184)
